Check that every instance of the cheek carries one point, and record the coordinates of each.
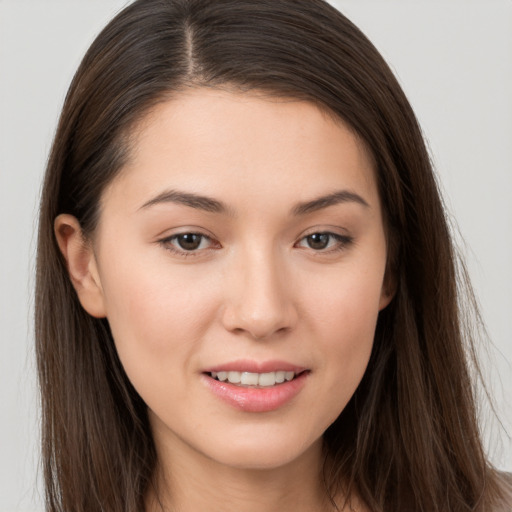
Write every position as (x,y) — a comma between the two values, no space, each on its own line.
(345,317)
(157,319)
(346,303)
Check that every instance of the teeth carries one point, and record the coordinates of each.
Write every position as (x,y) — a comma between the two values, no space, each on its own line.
(249,379)
(234,377)
(254,379)
(267,379)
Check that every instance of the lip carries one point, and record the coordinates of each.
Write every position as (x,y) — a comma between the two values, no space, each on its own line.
(245,365)
(254,399)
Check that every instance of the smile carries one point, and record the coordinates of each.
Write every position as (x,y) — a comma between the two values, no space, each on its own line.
(254,379)
(256,392)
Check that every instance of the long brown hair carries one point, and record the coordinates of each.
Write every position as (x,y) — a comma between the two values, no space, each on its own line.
(408,440)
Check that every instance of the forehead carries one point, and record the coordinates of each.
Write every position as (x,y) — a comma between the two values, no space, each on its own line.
(240,144)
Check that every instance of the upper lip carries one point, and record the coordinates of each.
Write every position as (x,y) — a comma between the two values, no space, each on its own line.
(255,367)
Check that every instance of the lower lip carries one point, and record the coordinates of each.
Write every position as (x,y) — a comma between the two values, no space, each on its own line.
(256,399)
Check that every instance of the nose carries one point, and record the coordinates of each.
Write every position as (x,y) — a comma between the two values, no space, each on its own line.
(260,300)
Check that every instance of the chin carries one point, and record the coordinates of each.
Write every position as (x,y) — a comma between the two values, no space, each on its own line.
(264,452)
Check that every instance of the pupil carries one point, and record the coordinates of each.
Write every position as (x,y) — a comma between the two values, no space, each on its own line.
(318,240)
(189,241)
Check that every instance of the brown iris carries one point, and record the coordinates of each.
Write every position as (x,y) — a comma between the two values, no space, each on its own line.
(189,241)
(318,241)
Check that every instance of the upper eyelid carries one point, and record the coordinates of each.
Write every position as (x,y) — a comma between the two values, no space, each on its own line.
(334,231)
(342,242)
(185,230)
(337,236)
(176,235)
(181,233)
(167,244)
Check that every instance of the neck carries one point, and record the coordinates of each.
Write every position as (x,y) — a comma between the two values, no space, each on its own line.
(193,482)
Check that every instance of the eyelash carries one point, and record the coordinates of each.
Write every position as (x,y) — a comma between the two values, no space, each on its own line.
(342,242)
(168,244)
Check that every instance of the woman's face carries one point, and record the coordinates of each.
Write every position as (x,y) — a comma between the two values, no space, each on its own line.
(244,242)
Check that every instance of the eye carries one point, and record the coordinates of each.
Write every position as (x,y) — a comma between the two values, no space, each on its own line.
(325,241)
(190,241)
(185,243)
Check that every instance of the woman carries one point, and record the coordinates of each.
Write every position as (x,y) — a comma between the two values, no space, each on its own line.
(247,294)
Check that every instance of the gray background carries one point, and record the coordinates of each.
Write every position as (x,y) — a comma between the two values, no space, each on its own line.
(454,60)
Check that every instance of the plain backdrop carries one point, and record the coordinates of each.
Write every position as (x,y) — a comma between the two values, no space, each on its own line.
(454,60)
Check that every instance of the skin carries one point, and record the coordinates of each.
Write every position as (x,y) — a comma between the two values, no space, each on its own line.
(256,288)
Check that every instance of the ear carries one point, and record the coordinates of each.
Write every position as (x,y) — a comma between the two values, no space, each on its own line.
(388,290)
(81,264)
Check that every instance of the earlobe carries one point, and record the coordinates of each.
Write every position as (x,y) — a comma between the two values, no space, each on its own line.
(385,299)
(81,264)
(388,291)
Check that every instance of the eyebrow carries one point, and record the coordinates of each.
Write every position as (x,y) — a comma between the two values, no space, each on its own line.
(212,205)
(341,196)
(199,202)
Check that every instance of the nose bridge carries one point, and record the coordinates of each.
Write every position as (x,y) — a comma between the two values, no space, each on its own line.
(259,301)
